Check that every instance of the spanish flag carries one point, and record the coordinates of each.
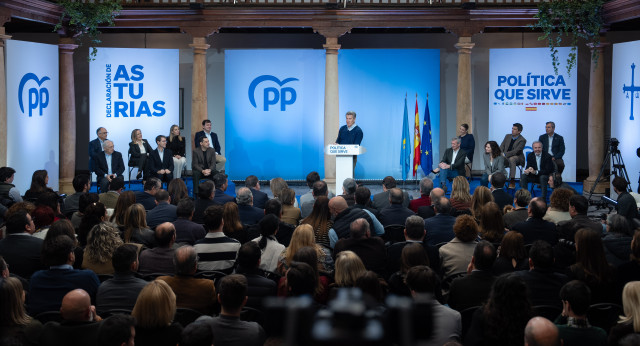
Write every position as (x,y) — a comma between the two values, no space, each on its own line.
(416,141)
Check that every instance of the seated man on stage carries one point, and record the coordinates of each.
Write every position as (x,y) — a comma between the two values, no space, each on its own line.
(161,161)
(203,163)
(95,146)
(108,165)
(452,163)
(512,148)
(213,141)
(553,144)
(539,166)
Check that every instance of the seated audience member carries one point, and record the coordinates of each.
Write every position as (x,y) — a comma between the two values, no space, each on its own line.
(573,326)
(177,190)
(371,250)
(481,196)
(301,280)
(160,258)
(363,201)
(110,198)
(343,216)
(578,206)
(80,323)
(259,197)
(249,214)
(348,268)
(290,214)
(541,331)
(311,178)
(440,227)
(491,224)
(592,268)
(543,283)
(309,255)
(121,291)
(216,251)
(42,218)
(9,194)
(48,287)
(148,197)
(520,213)
(414,232)
(187,231)
(268,244)
(125,200)
(319,189)
(64,227)
(535,228)
(85,201)
(630,271)
(426,185)
(512,256)
(629,323)
(428,211)
(372,290)
(102,242)
(117,330)
(19,249)
(447,323)
(206,191)
(108,165)
(197,333)
(154,312)
(14,322)
(473,289)
(303,236)
(395,213)
(163,212)
(555,182)
(81,185)
(627,205)
(456,254)
(285,230)
(258,286)
(191,293)
(232,227)
(227,328)
(39,181)
(349,187)
(460,197)
(203,163)
(176,144)
(136,229)
(500,196)
(320,221)
(161,161)
(617,240)
(558,206)
(221,182)
(412,255)
(381,199)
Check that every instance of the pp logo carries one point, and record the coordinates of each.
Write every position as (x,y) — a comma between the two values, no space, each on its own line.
(285,96)
(38,98)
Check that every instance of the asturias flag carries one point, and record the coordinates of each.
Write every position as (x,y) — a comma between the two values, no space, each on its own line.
(426,159)
(405,153)
(416,141)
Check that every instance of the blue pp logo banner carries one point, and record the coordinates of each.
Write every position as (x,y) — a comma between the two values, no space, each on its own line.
(273,95)
(38,96)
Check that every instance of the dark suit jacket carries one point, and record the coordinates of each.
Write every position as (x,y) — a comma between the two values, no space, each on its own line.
(200,206)
(545,162)
(395,214)
(163,212)
(155,164)
(22,253)
(94,149)
(222,198)
(371,251)
(516,150)
(544,286)
(101,168)
(557,146)
(69,333)
(426,212)
(537,229)
(470,290)
(214,138)
(198,160)
(134,151)
(259,198)
(502,198)
(439,229)
(250,215)
(515,216)
(394,257)
(458,165)
(627,207)
(188,231)
(381,200)
(146,199)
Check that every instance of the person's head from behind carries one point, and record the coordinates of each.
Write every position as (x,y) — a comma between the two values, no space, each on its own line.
(541,255)
(537,208)
(465,228)
(509,294)
(81,182)
(312,177)
(631,304)
(60,227)
(49,199)
(426,185)
(220,180)
(421,280)
(248,257)
(117,330)
(512,246)
(560,199)
(541,331)
(213,218)
(348,268)
(39,180)
(273,206)
(578,204)
(576,298)
(522,197)
(301,279)
(268,227)
(12,297)
(59,251)
(363,195)
(359,229)
(441,205)
(413,255)
(155,306)
(185,208)
(197,333)
(320,189)
(244,196)
(619,224)
(232,293)
(76,306)
(619,184)
(395,196)
(125,258)
(277,184)
(185,259)
(349,186)
(388,182)
(414,228)
(370,285)
(165,234)
(484,255)
(498,179)
(287,196)
(206,189)
(152,185)
(252,182)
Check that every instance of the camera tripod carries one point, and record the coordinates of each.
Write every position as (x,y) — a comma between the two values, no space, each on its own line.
(618,168)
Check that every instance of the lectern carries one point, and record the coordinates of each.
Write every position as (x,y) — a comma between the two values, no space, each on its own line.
(344,161)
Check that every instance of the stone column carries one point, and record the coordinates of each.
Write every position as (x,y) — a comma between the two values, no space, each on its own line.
(3,99)
(463,98)
(596,121)
(199,85)
(67,115)
(331,115)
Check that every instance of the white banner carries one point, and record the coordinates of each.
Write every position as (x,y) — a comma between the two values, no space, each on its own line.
(134,89)
(33,111)
(523,88)
(625,105)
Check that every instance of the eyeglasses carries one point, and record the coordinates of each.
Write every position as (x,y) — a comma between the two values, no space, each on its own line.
(103,133)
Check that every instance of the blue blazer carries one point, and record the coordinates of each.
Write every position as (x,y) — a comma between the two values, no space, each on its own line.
(557,146)
(117,165)
(259,198)
(214,138)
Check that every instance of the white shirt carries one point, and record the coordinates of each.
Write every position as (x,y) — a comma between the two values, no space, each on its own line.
(108,158)
(550,143)
(453,157)
(161,154)
(538,157)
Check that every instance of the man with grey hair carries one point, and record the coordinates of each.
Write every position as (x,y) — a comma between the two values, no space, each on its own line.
(452,163)
(426,185)
(539,166)
(428,211)
(541,332)
(249,215)
(519,214)
(108,165)
(414,232)
(349,187)
(371,250)
(440,227)
(395,213)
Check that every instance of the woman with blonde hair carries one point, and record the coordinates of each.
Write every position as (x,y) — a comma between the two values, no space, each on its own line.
(14,322)
(481,196)
(349,267)
(102,242)
(136,229)
(290,214)
(139,150)
(630,322)
(176,144)
(154,312)
(125,200)
(303,236)
(460,197)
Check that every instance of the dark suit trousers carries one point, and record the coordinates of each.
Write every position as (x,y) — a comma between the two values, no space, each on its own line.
(197,176)
(559,163)
(525,179)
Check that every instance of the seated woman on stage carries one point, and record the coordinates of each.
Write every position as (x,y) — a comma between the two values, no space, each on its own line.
(176,144)
(493,162)
(139,150)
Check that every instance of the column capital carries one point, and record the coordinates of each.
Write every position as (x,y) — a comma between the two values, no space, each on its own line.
(600,46)
(199,32)
(199,45)
(331,32)
(464,45)
(67,45)
(3,36)
(331,46)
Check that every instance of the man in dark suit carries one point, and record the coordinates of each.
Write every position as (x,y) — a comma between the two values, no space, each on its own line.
(395,213)
(95,146)
(500,196)
(206,192)
(164,210)
(222,183)
(161,161)
(147,197)
(539,166)
(428,211)
(556,149)
(544,284)
(414,232)
(78,325)
(259,197)
(203,163)
(452,163)
(519,214)
(440,227)
(627,206)
(249,215)
(160,258)
(381,199)
(535,228)
(187,231)
(213,141)
(371,250)
(512,148)
(108,165)
(258,285)
(473,289)
(122,290)
(19,249)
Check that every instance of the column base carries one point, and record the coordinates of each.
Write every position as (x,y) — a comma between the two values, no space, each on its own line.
(600,188)
(66,186)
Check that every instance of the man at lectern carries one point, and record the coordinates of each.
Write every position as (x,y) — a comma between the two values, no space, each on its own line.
(350,134)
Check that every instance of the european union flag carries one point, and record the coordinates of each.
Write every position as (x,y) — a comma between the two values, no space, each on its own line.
(426,158)
(405,147)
